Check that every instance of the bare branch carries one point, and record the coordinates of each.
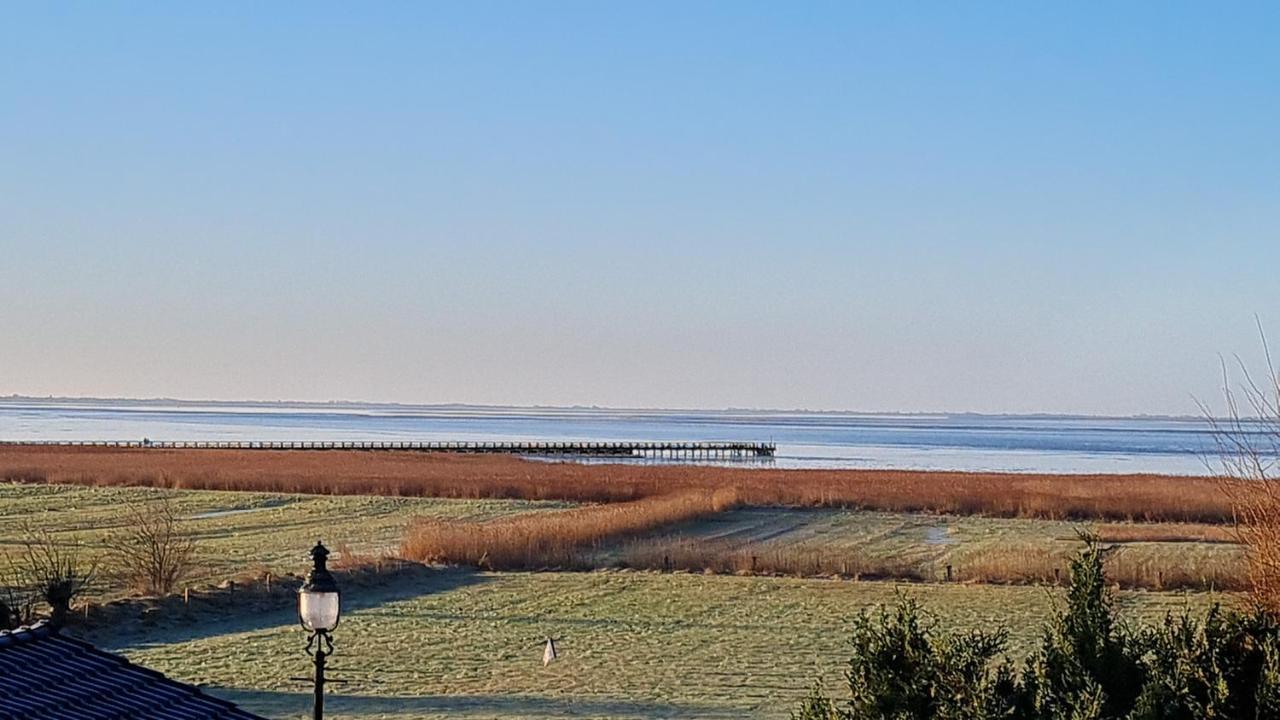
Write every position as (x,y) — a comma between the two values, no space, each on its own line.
(1248,443)
(153,552)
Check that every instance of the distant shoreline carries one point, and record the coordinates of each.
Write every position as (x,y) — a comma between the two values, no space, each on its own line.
(481,408)
(969,442)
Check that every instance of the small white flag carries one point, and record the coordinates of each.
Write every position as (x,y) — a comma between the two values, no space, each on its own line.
(549,653)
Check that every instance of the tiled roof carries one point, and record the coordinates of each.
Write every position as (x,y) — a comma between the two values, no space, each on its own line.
(47,676)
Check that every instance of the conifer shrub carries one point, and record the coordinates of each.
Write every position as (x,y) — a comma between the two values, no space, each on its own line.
(1089,665)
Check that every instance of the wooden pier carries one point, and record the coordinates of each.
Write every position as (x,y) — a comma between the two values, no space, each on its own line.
(620,450)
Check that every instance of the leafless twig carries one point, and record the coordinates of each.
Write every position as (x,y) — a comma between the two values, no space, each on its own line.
(153,551)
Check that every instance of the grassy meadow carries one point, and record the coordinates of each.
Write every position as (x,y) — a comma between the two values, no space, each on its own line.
(804,541)
(236,532)
(633,645)
(696,592)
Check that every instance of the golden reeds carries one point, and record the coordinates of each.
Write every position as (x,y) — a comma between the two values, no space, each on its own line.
(555,539)
(725,558)
(1257,505)
(1030,565)
(637,499)
(1165,532)
(1110,497)
(1041,566)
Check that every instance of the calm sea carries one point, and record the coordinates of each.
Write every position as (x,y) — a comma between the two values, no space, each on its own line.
(814,440)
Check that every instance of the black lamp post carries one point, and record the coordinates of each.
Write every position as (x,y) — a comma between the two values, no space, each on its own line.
(318,611)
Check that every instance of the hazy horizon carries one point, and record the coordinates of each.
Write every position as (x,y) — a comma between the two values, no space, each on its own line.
(608,408)
(942,209)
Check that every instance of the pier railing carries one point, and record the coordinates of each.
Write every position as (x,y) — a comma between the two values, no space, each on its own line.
(671,450)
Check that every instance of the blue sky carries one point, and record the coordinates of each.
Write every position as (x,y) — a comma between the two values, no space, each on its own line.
(897,206)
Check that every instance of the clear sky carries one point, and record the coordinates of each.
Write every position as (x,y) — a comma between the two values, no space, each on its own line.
(993,207)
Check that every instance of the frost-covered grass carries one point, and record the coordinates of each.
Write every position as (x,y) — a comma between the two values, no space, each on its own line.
(236,532)
(463,644)
(797,541)
(633,645)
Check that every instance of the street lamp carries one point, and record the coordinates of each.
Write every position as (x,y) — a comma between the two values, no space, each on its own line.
(318,613)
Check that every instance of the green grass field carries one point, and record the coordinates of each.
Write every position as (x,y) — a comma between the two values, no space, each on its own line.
(933,541)
(469,645)
(463,644)
(241,531)
(235,531)
(822,542)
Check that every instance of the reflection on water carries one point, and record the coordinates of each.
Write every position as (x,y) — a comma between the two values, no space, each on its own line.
(938,536)
(805,440)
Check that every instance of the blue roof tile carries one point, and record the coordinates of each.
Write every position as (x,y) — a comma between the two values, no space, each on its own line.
(45,676)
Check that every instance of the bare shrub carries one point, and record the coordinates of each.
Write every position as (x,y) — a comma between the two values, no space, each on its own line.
(153,551)
(56,572)
(18,599)
(1248,438)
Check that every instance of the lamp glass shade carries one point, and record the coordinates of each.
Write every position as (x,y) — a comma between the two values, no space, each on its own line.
(318,610)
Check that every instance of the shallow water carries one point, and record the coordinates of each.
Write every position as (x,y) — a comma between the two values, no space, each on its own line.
(805,440)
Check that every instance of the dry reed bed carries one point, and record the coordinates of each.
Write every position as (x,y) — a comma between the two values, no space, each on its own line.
(573,540)
(559,540)
(729,558)
(1038,566)
(1109,497)
(1256,496)
(1018,566)
(1166,532)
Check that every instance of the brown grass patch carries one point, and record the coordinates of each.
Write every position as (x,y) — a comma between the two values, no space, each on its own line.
(1111,497)
(23,475)
(1010,566)
(1165,532)
(553,539)
(726,558)
(1038,566)
(1257,503)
